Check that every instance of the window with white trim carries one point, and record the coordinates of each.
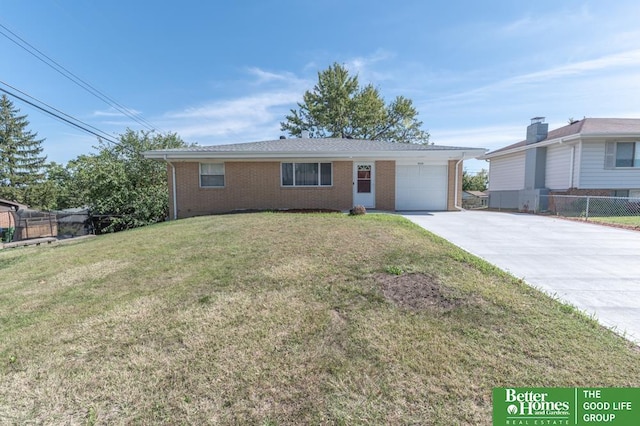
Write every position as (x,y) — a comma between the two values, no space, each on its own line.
(627,154)
(306,174)
(211,175)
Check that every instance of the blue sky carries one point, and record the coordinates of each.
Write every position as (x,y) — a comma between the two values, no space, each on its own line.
(228,72)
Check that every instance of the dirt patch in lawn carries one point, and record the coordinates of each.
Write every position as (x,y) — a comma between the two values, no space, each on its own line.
(417,292)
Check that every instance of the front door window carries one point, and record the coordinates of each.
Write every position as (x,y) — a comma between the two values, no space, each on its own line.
(364,178)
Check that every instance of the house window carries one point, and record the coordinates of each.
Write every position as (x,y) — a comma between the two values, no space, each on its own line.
(307,174)
(628,154)
(211,175)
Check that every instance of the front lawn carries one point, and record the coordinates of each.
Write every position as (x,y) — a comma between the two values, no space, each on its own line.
(281,319)
(630,221)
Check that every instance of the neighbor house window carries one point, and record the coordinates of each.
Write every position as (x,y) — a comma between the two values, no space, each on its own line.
(628,154)
(211,174)
(307,174)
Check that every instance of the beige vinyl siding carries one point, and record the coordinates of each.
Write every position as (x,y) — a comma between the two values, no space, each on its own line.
(507,172)
(558,168)
(594,175)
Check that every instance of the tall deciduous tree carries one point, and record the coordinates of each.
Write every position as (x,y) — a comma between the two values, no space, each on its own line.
(21,159)
(120,183)
(477,182)
(338,107)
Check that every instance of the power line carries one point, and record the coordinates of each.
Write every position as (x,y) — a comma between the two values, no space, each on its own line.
(46,111)
(74,78)
(55,109)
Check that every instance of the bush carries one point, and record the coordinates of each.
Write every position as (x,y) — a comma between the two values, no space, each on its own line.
(357,210)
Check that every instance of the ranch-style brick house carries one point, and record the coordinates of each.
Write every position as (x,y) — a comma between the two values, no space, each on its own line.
(311,173)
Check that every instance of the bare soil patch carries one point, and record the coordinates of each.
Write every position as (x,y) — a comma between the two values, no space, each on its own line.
(417,292)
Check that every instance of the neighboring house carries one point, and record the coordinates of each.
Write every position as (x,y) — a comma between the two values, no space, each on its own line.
(304,173)
(8,217)
(474,199)
(593,156)
(10,206)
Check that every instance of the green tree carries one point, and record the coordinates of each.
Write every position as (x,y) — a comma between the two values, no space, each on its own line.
(338,107)
(118,182)
(476,182)
(54,193)
(21,162)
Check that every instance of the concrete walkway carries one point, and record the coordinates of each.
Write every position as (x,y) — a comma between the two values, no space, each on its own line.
(595,268)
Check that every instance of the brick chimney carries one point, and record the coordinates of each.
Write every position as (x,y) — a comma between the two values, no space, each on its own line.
(537,130)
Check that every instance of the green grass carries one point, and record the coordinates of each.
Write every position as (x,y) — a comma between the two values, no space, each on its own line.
(631,221)
(280,319)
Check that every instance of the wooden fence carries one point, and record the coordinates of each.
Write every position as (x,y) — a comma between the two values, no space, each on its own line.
(24,225)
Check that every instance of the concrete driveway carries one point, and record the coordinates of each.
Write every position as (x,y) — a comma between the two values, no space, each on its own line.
(595,268)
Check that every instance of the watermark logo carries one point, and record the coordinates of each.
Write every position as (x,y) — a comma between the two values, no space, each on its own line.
(566,406)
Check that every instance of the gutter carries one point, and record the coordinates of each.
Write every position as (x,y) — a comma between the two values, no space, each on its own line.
(173,187)
(270,156)
(569,138)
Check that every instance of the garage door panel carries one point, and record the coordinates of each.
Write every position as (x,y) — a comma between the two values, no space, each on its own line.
(421,187)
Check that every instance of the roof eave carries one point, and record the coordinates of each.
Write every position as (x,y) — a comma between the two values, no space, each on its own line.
(610,135)
(541,144)
(198,155)
(564,139)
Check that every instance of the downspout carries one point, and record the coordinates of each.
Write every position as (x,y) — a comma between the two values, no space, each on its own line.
(571,166)
(455,192)
(173,187)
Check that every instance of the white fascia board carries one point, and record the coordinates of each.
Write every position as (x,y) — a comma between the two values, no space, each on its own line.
(611,136)
(566,139)
(390,155)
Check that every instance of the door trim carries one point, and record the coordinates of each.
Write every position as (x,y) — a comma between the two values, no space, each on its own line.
(368,200)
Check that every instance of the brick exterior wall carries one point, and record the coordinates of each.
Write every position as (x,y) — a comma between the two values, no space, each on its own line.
(256,186)
(385,185)
(584,192)
(451,185)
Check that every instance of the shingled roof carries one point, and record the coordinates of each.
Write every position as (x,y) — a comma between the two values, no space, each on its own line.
(304,146)
(316,145)
(586,127)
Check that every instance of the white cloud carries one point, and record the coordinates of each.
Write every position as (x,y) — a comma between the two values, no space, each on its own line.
(568,72)
(257,115)
(248,115)
(490,137)
(112,112)
(618,60)
(364,66)
(266,76)
(544,23)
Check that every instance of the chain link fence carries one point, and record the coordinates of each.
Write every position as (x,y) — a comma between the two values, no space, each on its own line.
(591,207)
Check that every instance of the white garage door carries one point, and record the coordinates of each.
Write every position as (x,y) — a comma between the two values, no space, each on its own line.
(421,187)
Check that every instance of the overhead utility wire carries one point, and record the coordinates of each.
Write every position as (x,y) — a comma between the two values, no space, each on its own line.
(75,79)
(46,111)
(56,110)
